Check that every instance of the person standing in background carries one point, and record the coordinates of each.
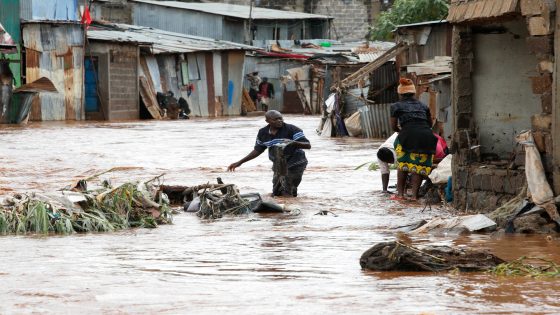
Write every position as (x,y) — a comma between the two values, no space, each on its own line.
(266,92)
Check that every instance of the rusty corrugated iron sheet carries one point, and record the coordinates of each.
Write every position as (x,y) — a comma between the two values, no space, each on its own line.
(55,51)
(375,120)
(41,85)
(470,10)
(161,41)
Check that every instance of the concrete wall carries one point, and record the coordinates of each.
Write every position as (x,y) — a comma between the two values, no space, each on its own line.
(118,79)
(503,100)
(116,11)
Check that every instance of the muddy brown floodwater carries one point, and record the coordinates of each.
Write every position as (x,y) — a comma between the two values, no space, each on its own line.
(256,264)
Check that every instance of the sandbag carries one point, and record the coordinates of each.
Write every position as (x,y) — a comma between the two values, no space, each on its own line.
(353,125)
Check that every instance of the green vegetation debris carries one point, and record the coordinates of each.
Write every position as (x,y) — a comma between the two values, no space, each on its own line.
(528,267)
(126,206)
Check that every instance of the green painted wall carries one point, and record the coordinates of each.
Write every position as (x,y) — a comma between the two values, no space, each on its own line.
(9,17)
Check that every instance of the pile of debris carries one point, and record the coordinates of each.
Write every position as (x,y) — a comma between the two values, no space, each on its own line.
(213,201)
(80,210)
(398,256)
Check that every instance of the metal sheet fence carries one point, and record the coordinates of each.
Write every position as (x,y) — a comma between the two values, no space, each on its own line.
(375,120)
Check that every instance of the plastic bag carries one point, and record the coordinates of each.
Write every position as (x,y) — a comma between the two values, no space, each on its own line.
(441,173)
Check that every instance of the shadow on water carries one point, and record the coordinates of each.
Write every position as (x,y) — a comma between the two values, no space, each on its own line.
(269,264)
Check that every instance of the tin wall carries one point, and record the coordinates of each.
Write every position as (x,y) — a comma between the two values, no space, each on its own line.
(50,10)
(233,87)
(376,121)
(56,51)
(179,21)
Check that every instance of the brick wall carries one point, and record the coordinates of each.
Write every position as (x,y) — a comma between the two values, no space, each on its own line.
(123,65)
(481,186)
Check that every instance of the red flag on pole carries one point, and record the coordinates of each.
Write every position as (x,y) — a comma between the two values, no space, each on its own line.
(86,18)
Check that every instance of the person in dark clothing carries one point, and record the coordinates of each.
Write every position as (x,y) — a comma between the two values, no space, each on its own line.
(416,144)
(266,93)
(254,81)
(285,144)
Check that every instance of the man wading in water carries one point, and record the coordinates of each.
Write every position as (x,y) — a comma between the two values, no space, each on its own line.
(285,143)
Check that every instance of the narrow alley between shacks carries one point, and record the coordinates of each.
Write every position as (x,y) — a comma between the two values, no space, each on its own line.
(257,263)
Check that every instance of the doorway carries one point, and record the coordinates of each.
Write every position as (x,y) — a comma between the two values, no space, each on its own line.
(91,66)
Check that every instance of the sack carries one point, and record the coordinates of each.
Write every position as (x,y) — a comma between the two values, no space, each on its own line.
(354,125)
(441,173)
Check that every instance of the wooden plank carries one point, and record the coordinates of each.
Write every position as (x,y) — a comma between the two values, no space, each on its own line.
(488,8)
(355,77)
(556,109)
(247,102)
(148,94)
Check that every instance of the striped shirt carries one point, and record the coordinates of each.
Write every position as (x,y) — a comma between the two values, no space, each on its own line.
(294,156)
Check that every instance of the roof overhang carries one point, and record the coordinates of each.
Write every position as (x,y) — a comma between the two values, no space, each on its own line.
(463,11)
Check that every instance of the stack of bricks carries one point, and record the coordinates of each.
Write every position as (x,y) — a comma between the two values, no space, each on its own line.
(539,15)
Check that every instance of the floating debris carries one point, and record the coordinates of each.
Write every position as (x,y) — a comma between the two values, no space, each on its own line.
(528,267)
(104,210)
(398,256)
(213,201)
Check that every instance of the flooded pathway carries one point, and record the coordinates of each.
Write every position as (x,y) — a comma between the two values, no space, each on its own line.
(258,264)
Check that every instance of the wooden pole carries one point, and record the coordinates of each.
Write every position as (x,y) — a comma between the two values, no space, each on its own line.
(556,107)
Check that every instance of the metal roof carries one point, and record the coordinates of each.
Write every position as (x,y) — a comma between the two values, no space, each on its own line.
(161,41)
(421,24)
(237,11)
(469,10)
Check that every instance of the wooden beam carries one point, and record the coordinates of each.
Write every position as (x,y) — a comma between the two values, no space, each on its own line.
(556,108)
(355,77)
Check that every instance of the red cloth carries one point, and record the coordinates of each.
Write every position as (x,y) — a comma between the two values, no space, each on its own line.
(86,17)
(441,148)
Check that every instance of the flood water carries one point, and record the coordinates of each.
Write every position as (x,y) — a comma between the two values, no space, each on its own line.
(256,264)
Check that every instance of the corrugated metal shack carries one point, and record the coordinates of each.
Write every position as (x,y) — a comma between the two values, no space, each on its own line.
(505,59)
(370,89)
(228,21)
(53,40)
(206,72)
(317,67)
(55,50)
(428,62)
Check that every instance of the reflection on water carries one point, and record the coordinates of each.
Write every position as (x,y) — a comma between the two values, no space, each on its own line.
(273,264)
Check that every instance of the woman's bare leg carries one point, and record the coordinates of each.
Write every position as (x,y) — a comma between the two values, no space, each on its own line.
(416,180)
(401,182)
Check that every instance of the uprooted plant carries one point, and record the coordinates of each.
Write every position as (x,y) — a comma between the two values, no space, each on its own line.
(126,206)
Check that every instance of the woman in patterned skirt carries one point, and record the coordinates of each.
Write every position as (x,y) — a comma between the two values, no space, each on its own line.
(416,144)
